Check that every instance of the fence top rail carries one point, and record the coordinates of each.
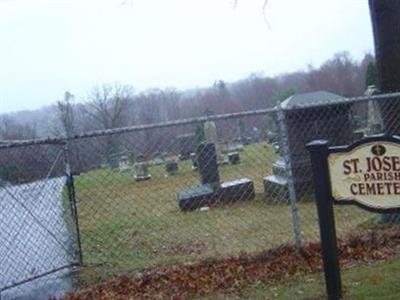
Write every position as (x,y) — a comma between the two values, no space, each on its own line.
(172,123)
(97,133)
(25,143)
(343,101)
(61,140)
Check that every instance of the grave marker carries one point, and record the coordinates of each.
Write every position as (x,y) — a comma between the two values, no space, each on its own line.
(171,167)
(124,164)
(233,158)
(210,135)
(211,191)
(141,169)
(208,164)
(305,119)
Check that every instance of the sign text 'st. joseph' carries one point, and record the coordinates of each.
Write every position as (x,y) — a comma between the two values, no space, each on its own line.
(372,169)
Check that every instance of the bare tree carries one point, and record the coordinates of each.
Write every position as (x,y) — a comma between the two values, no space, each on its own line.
(149,106)
(10,129)
(108,105)
(339,74)
(171,104)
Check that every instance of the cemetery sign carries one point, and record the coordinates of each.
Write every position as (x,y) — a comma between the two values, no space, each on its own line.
(366,173)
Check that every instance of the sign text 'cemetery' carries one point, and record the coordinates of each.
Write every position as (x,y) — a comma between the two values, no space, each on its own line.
(369,174)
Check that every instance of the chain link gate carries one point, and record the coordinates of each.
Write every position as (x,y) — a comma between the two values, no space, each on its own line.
(38,225)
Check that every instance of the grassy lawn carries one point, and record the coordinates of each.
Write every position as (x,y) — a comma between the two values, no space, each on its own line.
(127,225)
(377,281)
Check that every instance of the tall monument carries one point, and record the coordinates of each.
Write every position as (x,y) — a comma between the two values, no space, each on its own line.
(211,137)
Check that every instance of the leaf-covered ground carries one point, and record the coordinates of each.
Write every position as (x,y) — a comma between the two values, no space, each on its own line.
(228,276)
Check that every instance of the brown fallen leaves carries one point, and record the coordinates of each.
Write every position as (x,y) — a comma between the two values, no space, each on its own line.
(230,274)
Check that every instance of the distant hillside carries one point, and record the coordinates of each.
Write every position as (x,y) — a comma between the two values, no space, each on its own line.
(340,75)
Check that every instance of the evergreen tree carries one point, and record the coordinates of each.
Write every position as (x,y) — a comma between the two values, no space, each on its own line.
(371,76)
(199,134)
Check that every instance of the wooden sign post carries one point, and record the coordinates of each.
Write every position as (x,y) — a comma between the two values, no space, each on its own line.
(367,174)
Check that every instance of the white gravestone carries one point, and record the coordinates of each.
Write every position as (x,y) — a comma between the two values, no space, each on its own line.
(210,136)
(141,169)
(124,164)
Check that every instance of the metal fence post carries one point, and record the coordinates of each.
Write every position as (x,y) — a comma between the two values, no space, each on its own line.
(284,145)
(319,152)
(72,200)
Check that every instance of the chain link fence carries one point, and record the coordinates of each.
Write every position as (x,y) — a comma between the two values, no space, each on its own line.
(188,190)
(37,224)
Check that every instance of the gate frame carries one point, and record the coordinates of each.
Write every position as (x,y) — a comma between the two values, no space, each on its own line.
(62,143)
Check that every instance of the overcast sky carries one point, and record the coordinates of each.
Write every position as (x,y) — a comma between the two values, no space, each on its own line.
(48,47)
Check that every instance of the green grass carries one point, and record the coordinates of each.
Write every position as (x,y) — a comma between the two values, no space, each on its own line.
(377,281)
(127,225)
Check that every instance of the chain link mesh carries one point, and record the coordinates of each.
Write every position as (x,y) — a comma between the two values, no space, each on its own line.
(131,185)
(128,223)
(37,230)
